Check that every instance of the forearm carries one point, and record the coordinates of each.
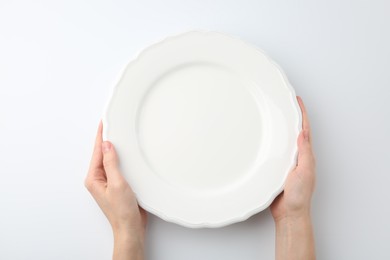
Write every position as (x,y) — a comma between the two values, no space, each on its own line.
(295,238)
(127,247)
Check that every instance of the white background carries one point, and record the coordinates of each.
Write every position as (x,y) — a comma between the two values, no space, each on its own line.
(58,60)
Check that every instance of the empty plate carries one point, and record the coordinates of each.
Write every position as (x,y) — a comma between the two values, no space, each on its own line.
(205,126)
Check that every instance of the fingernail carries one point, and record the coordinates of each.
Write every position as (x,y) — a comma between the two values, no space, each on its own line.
(306,135)
(106,146)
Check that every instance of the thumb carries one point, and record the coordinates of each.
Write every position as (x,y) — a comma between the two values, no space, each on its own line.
(306,158)
(111,163)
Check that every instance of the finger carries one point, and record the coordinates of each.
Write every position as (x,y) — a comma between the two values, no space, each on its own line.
(96,170)
(305,119)
(305,153)
(97,157)
(96,175)
(111,163)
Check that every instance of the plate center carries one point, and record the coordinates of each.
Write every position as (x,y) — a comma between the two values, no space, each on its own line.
(200,127)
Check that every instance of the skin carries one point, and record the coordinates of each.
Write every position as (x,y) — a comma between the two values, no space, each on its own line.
(117,201)
(290,210)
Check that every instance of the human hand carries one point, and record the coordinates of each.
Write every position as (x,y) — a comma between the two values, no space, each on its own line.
(117,200)
(295,200)
(291,209)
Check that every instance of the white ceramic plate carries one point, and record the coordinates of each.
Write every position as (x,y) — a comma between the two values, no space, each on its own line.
(205,126)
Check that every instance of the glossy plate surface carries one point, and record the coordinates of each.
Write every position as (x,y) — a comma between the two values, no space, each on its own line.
(205,126)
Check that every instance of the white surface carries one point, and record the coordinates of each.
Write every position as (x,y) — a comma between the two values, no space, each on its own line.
(200,118)
(58,59)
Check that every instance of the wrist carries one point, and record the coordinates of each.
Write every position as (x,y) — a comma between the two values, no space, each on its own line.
(294,237)
(294,219)
(128,244)
(130,237)
(293,215)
